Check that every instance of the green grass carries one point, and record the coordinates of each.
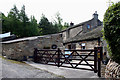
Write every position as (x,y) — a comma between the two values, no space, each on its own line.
(13,61)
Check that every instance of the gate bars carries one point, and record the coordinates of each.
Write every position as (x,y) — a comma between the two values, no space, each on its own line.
(76,58)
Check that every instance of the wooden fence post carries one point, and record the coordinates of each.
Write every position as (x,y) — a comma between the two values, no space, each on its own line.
(100,56)
(95,59)
(101,53)
(35,55)
(99,67)
(59,57)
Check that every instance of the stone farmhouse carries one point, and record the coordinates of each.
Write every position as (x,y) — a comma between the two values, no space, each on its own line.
(85,35)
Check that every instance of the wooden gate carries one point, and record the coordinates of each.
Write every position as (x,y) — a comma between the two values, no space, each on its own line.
(78,59)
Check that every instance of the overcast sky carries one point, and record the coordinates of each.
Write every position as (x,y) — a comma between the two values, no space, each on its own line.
(76,11)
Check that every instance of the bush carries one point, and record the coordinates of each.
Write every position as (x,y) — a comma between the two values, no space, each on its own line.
(111,33)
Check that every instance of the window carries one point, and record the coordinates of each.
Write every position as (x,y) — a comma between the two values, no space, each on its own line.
(83,46)
(69,46)
(88,26)
(73,46)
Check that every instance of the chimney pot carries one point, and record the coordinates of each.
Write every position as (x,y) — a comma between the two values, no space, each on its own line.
(71,24)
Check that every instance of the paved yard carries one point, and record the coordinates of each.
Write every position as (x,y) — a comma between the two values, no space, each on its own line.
(12,69)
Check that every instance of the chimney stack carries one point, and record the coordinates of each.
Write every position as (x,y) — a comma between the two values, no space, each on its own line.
(95,15)
(71,24)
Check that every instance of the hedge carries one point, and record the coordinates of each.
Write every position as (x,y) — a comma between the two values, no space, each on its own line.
(111,23)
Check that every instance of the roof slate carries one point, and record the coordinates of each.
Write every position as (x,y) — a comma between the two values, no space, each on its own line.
(93,34)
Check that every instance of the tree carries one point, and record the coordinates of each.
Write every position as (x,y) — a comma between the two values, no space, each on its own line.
(33,27)
(46,26)
(18,23)
(23,17)
(66,25)
(11,22)
(24,23)
(111,33)
(0,23)
(3,19)
(58,22)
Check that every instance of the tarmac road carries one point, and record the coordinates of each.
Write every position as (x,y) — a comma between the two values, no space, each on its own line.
(66,72)
(12,69)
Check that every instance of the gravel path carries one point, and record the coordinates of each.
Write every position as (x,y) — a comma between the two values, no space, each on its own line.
(11,69)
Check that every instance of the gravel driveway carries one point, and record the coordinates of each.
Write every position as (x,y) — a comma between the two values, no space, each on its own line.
(12,69)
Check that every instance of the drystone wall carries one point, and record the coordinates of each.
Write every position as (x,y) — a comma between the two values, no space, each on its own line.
(112,70)
(21,49)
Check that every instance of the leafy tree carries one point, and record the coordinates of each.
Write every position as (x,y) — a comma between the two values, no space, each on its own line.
(66,25)
(14,13)
(46,26)
(3,19)
(56,26)
(111,33)
(24,22)
(11,22)
(18,23)
(23,17)
(0,23)
(58,22)
(33,27)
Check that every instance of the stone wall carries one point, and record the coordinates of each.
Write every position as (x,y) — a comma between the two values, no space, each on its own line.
(103,67)
(93,24)
(19,49)
(112,70)
(73,32)
(64,35)
(88,44)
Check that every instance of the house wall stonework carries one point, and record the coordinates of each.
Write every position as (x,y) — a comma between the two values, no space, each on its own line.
(72,32)
(75,31)
(88,44)
(91,44)
(64,36)
(18,50)
(82,27)
(91,23)
(94,23)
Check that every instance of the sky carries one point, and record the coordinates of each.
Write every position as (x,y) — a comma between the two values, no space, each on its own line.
(75,11)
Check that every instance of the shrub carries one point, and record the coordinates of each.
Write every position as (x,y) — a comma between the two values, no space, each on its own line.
(111,33)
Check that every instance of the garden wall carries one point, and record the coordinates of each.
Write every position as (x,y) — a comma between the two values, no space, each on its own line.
(21,49)
(112,70)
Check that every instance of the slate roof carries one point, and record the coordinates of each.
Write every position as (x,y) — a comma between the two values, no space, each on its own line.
(93,34)
(78,25)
